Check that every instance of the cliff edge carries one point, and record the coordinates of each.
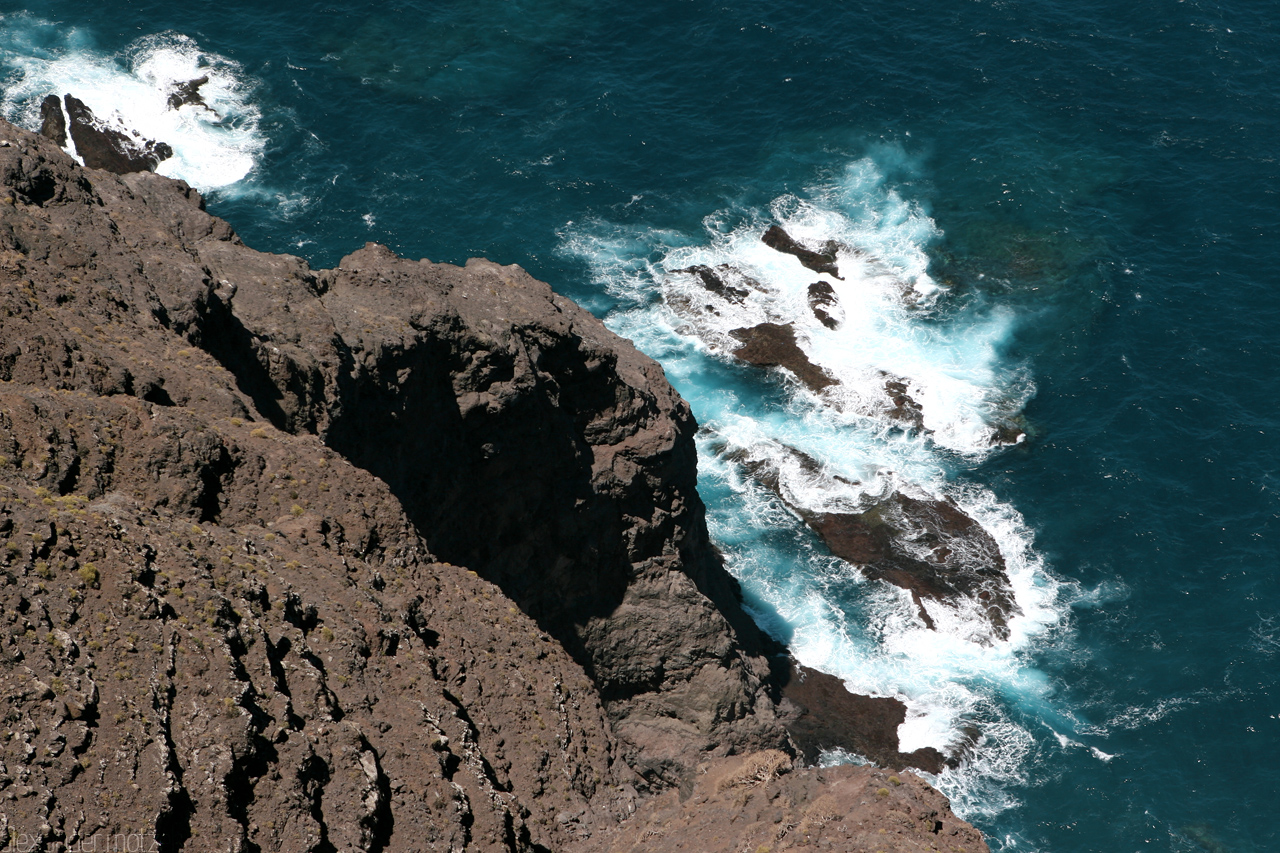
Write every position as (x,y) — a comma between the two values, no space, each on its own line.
(236,497)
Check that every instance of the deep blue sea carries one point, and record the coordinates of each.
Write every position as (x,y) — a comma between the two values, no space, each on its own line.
(1063,214)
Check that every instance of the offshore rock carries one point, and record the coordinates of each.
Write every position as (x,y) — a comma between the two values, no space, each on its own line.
(904,410)
(822,298)
(823,260)
(927,546)
(774,345)
(188,93)
(717,281)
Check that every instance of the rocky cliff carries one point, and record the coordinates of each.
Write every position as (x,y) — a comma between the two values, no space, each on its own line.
(236,497)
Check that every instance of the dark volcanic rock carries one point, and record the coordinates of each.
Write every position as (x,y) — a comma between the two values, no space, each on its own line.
(929,547)
(823,260)
(235,632)
(1009,432)
(53,122)
(103,147)
(188,93)
(827,715)
(821,297)
(774,345)
(714,281)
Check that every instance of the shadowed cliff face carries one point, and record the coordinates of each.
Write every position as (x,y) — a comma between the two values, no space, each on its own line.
(216,632)
(233,494)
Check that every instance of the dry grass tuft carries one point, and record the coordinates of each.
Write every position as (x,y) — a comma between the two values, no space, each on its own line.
(758,768)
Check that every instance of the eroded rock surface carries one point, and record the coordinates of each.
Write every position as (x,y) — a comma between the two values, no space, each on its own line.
(53,121)
(827,715)
(760,803)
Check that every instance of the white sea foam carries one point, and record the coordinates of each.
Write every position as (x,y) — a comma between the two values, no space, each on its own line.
(215,144)
(896,323)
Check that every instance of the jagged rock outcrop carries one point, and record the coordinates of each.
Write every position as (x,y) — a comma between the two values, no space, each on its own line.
(104,146)
(188,94)
(53,121)
(235,495)
(759,803)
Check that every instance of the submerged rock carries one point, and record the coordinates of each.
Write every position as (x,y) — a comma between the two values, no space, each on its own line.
(715,280)
(774,345)
(188,93)
(905,411)
(103,147)
(823,260)
(822,296)
(1009,432)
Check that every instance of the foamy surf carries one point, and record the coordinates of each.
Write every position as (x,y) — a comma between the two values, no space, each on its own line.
(215,135)
(919,391)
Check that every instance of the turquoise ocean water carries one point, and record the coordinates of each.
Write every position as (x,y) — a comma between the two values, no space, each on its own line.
(1066,214)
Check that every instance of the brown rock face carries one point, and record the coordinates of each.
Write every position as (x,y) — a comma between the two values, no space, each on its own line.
(233,494)
(215,632)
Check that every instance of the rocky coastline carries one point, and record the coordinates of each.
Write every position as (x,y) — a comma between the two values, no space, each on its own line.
(393,556)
